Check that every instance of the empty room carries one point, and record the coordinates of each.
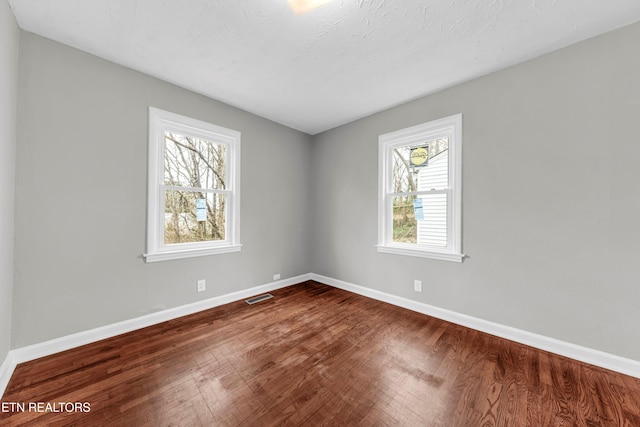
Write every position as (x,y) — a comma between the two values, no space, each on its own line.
(329,212)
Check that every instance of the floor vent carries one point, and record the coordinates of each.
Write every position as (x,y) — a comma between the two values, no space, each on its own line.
(258,298)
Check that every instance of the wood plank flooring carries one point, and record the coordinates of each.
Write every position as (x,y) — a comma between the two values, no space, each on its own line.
(316,355)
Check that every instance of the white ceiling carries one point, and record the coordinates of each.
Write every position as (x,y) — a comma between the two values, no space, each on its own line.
(343,61)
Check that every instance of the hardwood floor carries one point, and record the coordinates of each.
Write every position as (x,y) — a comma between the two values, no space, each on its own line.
(316,355)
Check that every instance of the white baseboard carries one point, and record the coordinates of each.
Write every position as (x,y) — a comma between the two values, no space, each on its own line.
(6,370)
(36,351)
(552,345)
(573,351)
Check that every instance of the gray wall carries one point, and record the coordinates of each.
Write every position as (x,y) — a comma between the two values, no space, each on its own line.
(81,197)
(9,35)
(551,198)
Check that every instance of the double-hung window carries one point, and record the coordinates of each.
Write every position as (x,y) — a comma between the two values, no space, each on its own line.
(419,197)
(193,188)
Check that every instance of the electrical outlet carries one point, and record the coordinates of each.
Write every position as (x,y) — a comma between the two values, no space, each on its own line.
(417,285)
(202,285)
(276,276)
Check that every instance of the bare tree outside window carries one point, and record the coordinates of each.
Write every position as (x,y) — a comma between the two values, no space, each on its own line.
(194,179)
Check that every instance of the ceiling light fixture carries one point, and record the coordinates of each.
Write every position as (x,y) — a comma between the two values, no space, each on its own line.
(303,6)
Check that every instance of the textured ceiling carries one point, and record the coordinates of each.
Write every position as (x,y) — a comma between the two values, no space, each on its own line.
(343,61)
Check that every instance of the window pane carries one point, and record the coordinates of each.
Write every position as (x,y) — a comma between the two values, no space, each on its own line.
(432,222)
(404,220)
(193,162)
(191,216)
(420,220)
(419,167)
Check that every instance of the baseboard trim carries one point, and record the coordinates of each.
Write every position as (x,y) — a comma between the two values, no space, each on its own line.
(47,348)
(584,354)
(6,370)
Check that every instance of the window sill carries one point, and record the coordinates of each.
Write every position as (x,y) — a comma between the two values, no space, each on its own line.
(190,253)
(422,253)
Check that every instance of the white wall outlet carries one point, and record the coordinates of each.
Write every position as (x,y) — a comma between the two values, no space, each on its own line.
(276,276)
(417,285)
(202,285)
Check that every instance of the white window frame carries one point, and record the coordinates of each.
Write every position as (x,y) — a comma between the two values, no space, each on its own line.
(161,121)
(450,127)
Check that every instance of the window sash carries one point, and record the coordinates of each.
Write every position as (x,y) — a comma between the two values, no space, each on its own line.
(186,245)
(195,189)
(163,247)
(388,237)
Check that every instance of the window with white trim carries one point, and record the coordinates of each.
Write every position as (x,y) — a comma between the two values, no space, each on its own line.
(193,188)
(419,196)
